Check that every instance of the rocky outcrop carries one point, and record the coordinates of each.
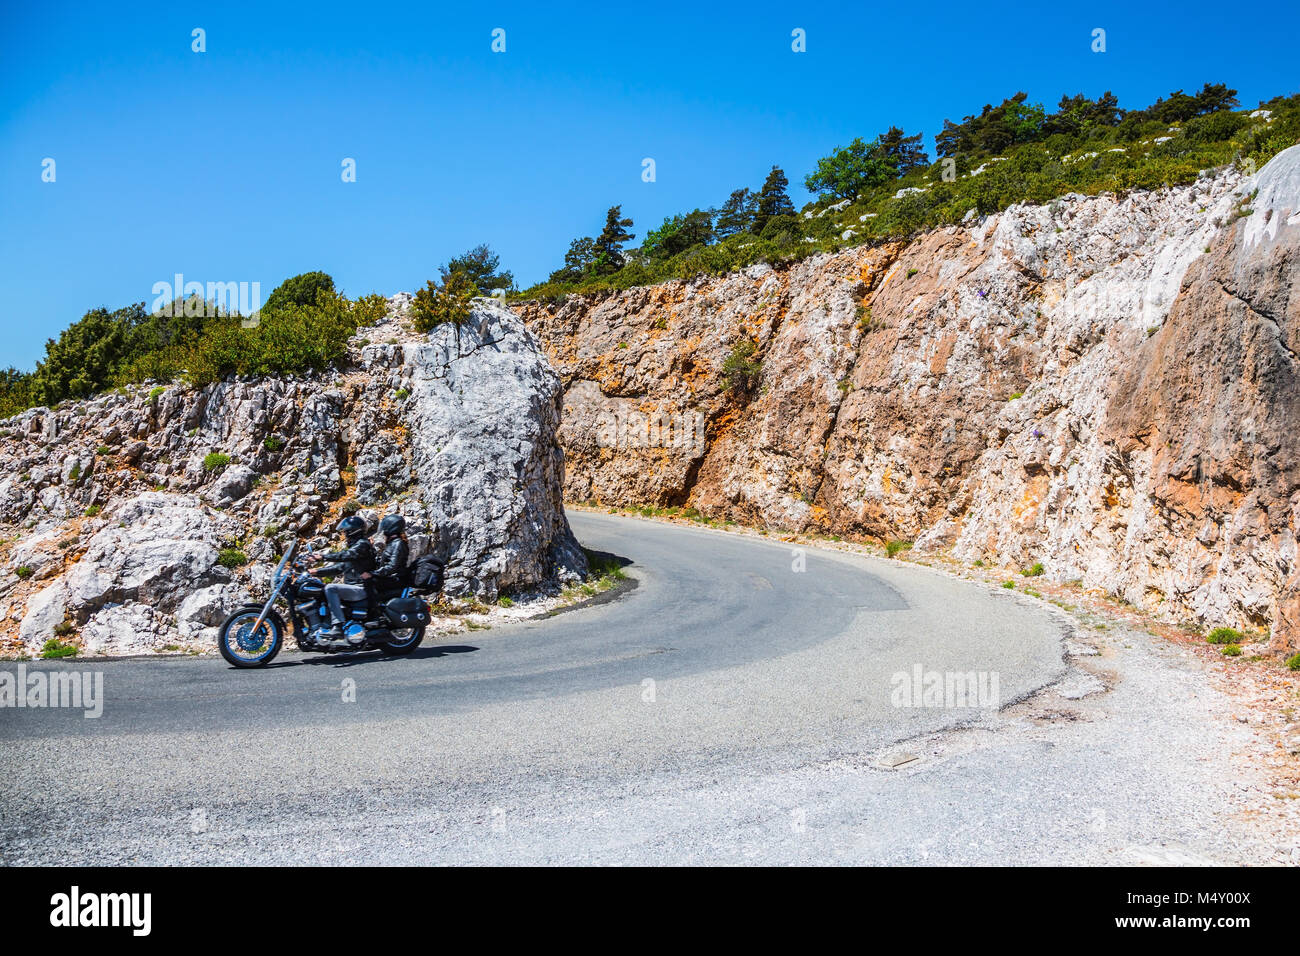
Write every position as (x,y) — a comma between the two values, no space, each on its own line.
(1102,384)
(137,519)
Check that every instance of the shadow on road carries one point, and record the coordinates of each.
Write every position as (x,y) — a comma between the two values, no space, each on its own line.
(353,658)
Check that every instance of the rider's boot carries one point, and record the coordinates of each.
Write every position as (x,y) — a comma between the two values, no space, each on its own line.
(333,636)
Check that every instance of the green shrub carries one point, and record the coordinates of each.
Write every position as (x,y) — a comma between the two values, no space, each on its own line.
(1224,635)
(214,461)
(92,511)
(231,558)
(402,394)
(273,443)
(24,571)
(350,507)
(299,291)
(740,370)
(448,304)
(1231,650)
(103,450)
(1034,570)
(1293,662)
(601,565)
(894,548)
(54,648)
(1009,585)
(156,391)
(505,601)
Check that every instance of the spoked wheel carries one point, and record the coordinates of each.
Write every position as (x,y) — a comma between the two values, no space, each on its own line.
(243,647)
(404,640)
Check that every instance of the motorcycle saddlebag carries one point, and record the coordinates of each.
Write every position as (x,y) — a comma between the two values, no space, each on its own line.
(426,573)
(406,612)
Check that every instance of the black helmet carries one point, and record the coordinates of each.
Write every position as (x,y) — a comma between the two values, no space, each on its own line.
(392,526)
(353,527)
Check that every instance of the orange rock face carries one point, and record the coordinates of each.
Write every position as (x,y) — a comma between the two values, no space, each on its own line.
(1104,385)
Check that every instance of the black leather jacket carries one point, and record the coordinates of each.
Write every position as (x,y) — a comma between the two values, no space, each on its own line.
(356,559)
(392,561)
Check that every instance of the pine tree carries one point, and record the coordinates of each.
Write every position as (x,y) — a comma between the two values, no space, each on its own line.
(609,244)
(901,151)
(736,214)
(773,200)
(480,266)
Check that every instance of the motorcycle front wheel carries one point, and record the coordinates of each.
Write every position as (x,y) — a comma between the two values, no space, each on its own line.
(404,640)
(243,648)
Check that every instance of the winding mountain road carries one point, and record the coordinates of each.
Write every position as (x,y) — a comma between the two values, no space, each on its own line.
(735,705)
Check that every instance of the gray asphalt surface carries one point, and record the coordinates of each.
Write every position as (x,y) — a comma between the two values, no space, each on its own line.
(727,709)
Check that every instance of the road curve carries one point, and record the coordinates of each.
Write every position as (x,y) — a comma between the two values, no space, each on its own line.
(595,735)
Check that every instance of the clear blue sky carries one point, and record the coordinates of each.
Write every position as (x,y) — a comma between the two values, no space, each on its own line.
(225,165)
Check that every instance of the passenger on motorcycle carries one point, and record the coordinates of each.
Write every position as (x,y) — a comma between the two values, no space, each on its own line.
(356,563)
(390,573)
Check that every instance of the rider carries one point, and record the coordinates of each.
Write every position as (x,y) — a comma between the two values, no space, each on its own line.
(357,560)
(391,568)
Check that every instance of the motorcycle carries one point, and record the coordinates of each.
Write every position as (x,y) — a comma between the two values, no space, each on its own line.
(253,635)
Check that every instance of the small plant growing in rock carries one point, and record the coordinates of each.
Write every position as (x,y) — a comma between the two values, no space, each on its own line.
(156,391)
(1224,635)
(1014,395)
(504,601)
(1009,585)
(979,562)
(92,511)
(231,558)
(912,272)
(1231,650)
(1034,570)
(402,394)
(75,473)
(350,507)
(273,443)
(865,322)
(1293,662)
(741,370)
(215,461)
(103,450)
(24,571)
(64,628)
(894,548)
(54,648)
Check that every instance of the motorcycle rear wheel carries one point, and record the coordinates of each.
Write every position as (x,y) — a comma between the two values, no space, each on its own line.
(404,640)
(241,647)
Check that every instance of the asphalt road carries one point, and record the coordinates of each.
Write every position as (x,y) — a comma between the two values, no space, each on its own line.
(734,706)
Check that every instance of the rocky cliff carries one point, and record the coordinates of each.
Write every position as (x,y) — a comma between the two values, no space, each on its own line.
(135,520)
(1105,385)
